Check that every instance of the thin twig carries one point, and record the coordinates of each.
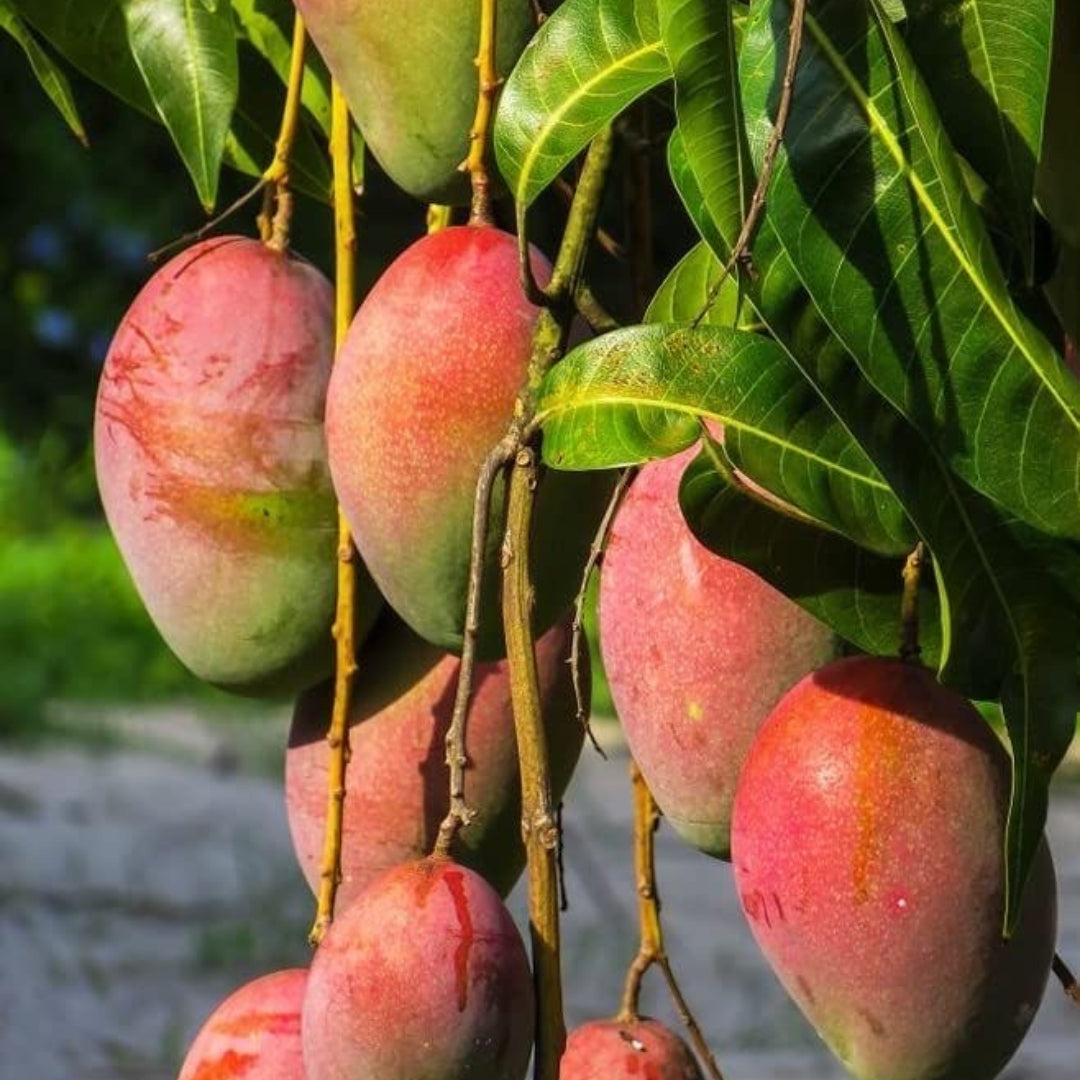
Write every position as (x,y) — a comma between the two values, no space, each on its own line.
(345,618)
(600,320)
(909,605)
(459,813)
(596,554)
(651,950)
(740,253)
(439,217)
(616,250)
(1067,979)
(205,230)
(474,164)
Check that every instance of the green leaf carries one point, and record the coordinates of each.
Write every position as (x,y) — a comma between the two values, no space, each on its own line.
(854,591)
(53,81)
(683,294)
(643,392)
(92,36)
(869,203)
(268,26)
(693,198)
(699,37)
(987,63)
(588,61)
(186,51)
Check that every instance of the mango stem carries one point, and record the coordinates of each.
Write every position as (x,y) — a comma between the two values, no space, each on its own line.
(345,618)
(489,83)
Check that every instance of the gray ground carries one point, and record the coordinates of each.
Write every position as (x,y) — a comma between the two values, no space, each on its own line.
(144,875)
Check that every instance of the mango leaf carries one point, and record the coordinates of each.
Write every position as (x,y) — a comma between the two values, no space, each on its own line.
(268,26)
(854,591)
(867,512)
(1058,179)
(987,63)
(643,392)
(52,80)
(186,52)
(92,36)
(869,203)
(994,595)
(699,38)
(588,61)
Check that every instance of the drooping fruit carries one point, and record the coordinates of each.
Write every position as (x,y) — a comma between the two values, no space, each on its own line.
(641,1049)
(211,461)
(424,387)
(254,1034)
(407,71)
(697,650)
(867,844)
(423,977)
(396,785)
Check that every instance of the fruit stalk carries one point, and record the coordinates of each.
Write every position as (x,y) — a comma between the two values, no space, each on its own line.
(1066,978)
(538,823)
(480,212)
(651,949)
(909,605)
(345,664)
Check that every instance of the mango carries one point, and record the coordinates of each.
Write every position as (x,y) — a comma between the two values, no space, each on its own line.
(423,977)
(640,1049)
(424,387)
(396,785)
(697,651)
(867,843)
(254,1034)
(211,462)
(407,71)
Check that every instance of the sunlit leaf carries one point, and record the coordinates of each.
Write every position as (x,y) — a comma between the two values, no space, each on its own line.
(987,63)
(52,80)
(869,203)
(186,51)
(588,61)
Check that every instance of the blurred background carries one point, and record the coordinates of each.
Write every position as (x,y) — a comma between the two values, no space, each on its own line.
(145,866)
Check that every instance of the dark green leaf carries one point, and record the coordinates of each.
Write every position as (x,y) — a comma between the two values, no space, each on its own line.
(186,51)
(588,61)
(693,199)
(92,35)
(699,38)
(987,63)
(869,203)
(268,26)
(53,81)
(643,393)
(855,592)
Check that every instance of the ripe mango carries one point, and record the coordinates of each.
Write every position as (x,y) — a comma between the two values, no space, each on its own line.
(396,785)
(697,650)
(407,71)
(211,461)
(867,843)
(424,387)
(423,977)
(641,1049)
(254,1034)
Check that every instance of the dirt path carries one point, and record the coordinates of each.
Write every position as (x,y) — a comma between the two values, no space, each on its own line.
(140,883)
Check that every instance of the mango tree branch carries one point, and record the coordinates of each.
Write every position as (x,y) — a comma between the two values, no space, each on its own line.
(651,949)
(275,231)
(480,213)
(345,666)
(538,816)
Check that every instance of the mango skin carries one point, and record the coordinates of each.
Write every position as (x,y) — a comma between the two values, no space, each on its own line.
(211,462)
(867,846)
(396,785)
(254,1034)
(697,650)
(641,1049)
(424,387)
(423,977)
(407,71)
